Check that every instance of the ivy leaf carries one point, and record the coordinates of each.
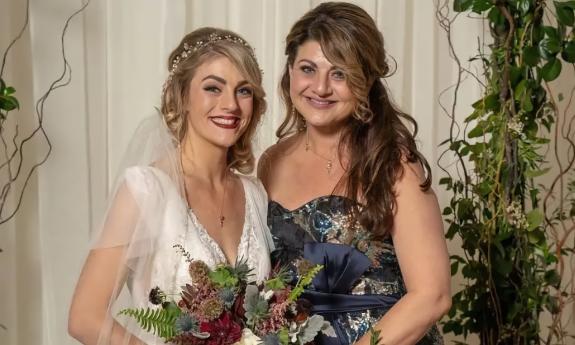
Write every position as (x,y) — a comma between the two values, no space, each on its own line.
(9,103)
(551,32)
(548,47)
(524,6)
(530,56)
(536,173)
(565,14)
(454,268)
(476,132)
(551,70)
(553,278)
(534,219)
(7,91)
(462,5)
(481,5)
(570,4)
(520,89)
(535,237)
(568,53)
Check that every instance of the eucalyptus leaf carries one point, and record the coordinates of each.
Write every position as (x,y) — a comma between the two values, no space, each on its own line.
(312,327)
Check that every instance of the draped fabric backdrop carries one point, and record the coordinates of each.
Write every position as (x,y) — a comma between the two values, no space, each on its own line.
(117,52)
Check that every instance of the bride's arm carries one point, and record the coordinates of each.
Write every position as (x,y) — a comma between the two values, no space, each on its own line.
(103,276)
(95,291)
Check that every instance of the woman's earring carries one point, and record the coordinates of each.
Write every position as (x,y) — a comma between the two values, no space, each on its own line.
(299,118)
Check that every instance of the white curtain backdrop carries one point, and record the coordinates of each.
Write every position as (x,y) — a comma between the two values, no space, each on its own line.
(117,52)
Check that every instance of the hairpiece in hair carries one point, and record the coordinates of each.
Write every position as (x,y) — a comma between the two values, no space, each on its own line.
(191,49)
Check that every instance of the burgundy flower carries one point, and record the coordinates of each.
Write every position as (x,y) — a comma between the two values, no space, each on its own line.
(223,331)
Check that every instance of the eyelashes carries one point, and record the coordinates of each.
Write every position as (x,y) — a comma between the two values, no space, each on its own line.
(242,91)
(335,74)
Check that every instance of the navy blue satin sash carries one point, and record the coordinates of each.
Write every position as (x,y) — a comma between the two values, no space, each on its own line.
(343,266)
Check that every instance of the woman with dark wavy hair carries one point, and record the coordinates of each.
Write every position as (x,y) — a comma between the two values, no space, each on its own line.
(349,188)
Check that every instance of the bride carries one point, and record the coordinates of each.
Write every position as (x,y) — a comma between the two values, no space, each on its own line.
(185,194)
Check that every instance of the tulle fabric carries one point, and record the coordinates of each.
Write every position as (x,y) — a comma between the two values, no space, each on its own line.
(148,216)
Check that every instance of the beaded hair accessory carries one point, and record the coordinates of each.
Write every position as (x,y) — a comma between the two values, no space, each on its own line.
(191,49)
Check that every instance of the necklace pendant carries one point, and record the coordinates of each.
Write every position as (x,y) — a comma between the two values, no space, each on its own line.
(328,167)
(222,218)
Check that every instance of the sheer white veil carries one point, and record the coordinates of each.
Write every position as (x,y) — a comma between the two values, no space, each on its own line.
(146,217)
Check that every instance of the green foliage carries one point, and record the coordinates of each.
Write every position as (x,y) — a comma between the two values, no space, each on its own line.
(160,321)
(7,100)
(374,338)
(279,281)
(223,276)
(303,282)
(255,305)
(510,257)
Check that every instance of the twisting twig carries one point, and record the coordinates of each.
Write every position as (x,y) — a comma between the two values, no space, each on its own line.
(63,80)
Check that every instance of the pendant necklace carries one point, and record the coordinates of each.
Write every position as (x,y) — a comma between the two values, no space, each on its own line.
(221,217)
(329,161)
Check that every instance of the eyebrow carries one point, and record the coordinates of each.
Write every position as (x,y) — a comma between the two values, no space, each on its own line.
(223,81)
(216,78)
(314,65)
(308,61)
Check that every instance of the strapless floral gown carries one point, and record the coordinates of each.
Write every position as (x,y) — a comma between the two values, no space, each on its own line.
(361,279)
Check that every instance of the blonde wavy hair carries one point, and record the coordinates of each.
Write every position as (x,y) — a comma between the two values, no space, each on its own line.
(175,96)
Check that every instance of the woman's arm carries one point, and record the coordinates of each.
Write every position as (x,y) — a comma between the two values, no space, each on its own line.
(103,277)
(421,250)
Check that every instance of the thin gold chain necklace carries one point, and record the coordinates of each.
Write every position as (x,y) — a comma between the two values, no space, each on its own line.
(222,218)
(329,161)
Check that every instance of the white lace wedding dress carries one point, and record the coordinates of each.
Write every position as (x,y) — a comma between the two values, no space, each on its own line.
(149,217)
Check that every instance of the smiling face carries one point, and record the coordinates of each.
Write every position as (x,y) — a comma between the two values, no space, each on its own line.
(318,89)
(219,103)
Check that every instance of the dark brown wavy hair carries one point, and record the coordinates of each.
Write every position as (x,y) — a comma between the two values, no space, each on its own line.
(175,96)
(377,136)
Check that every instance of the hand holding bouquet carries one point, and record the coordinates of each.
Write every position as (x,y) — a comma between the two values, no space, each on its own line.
(220,307)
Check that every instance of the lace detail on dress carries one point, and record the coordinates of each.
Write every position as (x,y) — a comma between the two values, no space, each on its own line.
(216,250)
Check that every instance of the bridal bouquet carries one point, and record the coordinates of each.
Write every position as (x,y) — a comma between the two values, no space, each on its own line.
(220,307)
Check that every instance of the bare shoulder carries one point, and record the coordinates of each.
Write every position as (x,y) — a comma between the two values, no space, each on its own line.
(274,157)
(413,175)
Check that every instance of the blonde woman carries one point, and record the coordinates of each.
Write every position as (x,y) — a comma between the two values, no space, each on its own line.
(186,191)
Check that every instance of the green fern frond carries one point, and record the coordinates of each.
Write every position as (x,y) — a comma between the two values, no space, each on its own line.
(158,321)
(375,337)
(303,282)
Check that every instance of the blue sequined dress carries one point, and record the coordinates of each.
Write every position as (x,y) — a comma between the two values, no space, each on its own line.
(361,279)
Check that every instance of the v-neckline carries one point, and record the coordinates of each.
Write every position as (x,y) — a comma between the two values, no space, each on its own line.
(194,218)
